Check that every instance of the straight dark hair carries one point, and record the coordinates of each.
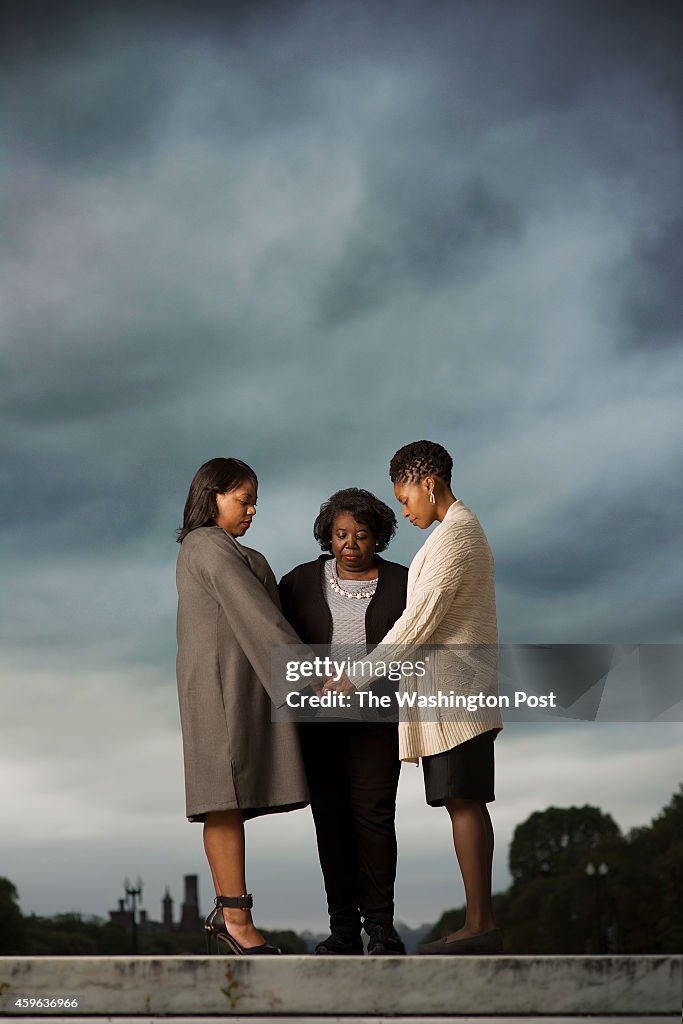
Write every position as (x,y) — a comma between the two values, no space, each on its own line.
(215,477)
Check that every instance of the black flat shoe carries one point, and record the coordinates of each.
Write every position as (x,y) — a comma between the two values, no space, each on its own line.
(485,942)
(217,932)
(340,944)
(385,941)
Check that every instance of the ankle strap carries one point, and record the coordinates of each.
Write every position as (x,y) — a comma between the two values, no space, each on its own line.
(245,902)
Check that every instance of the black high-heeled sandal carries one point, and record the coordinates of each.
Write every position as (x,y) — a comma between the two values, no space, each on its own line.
(216,929)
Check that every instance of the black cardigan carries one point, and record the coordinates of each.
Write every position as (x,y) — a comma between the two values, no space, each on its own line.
(305,608)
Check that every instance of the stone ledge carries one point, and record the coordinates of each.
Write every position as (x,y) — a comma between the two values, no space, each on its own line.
(147,1019)
(345,986)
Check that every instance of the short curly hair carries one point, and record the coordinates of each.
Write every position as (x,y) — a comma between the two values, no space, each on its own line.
(365,508)
(419,459)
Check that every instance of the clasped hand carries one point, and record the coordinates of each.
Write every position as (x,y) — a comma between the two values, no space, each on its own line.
(341,685)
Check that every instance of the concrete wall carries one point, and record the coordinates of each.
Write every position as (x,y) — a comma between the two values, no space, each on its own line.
(417,986)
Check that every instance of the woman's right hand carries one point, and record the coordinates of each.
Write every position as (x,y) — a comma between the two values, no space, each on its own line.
(341,685)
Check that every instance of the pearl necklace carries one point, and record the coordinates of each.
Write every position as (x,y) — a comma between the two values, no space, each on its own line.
(358,596)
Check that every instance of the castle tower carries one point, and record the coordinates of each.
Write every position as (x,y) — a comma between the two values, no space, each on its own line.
(189,913)
(167,910)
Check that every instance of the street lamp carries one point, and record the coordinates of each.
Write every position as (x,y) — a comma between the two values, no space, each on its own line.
(599,876)
(133,892)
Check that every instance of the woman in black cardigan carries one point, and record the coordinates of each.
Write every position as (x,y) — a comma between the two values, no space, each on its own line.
(352,596)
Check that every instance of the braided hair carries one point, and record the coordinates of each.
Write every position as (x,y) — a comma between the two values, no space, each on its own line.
(419,459)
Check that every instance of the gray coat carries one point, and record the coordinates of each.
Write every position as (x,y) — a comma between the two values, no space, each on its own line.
(229,617)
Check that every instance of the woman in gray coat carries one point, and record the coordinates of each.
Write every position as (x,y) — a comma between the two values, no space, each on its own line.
(238,762)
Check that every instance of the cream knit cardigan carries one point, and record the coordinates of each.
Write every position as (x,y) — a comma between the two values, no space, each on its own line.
(451,600)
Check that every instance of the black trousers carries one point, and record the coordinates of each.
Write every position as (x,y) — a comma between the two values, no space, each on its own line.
(353,771)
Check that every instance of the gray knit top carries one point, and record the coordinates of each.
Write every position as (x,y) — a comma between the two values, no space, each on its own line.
(348,615)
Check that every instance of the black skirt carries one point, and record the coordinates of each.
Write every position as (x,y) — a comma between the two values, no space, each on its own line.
(465,771)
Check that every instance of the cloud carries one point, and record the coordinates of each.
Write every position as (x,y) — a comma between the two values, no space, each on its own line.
(306,234)
(653,312)
(423,232)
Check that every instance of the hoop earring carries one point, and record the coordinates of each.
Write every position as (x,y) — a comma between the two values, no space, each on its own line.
(432,499)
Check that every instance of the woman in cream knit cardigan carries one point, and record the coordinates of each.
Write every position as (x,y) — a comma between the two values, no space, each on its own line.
(451,603)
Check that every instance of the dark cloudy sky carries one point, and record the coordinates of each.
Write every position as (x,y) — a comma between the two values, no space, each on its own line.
(305,234)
